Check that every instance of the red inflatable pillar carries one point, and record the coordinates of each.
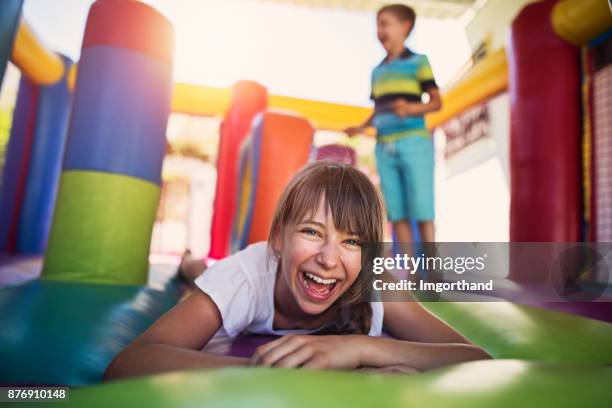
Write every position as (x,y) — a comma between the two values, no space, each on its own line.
(248,99)
(13,180)
(545,130)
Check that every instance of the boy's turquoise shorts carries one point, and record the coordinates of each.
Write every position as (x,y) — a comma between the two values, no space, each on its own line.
(406,170)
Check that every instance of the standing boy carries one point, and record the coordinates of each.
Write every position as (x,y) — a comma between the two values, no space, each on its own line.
(404,148)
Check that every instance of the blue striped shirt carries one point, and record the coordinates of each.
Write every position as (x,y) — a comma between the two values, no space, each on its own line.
(406,77)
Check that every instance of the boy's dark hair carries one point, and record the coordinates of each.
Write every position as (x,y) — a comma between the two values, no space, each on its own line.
(401,11)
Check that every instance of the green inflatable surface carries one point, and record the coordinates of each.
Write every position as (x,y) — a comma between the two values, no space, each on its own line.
(508,330)
(56,332)
(486,384)
(67,333)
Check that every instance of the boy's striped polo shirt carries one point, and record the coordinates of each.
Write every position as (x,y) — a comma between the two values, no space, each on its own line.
(405,77)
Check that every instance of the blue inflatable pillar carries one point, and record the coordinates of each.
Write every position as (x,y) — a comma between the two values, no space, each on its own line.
(49,140)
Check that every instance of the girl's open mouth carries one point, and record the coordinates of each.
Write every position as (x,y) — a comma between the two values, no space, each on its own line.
(316,287)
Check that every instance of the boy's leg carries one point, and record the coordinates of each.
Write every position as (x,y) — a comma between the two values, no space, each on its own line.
(416,161)
(392,187)
(427,230)
(403,235)
(403,231)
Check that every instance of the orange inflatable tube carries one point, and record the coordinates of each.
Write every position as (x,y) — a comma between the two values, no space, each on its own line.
(286,142)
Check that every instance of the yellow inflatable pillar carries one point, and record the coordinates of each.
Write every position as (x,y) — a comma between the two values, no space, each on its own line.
(39,64)
(579,21)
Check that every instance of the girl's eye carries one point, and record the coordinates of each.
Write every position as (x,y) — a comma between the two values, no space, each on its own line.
(310,231)
(353,242)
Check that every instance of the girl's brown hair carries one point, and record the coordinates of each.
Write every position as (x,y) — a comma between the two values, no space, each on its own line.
(355,206)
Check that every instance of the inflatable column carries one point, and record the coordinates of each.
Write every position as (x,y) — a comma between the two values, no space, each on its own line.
(545,130)
(15,172)
(110,183)
(10,11)
(49,140)
(248,99)
(291,135)
(264,173)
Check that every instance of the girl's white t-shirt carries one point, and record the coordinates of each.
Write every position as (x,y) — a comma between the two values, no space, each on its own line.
(242,287)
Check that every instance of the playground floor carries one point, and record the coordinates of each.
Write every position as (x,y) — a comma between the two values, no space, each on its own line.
(18,269)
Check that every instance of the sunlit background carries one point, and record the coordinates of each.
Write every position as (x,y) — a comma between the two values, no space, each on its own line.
(316,53)
(298,50)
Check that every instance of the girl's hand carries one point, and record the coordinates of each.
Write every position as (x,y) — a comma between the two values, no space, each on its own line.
(310,351)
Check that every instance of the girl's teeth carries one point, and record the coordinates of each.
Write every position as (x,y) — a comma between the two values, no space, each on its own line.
(320,280)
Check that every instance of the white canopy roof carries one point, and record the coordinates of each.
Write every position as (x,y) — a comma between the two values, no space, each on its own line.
(426,8)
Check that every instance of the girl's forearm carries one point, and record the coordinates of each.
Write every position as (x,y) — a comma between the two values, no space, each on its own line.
(150,358)
(382,352)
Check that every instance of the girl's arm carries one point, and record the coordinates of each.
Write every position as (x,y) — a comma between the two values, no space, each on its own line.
(385,352)
(420,340)
(174,342)
(410,321)
(354,351)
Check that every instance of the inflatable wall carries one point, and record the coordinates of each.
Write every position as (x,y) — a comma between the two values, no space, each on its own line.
(279,145)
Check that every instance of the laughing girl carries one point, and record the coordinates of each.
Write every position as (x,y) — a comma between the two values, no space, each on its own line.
(304,284)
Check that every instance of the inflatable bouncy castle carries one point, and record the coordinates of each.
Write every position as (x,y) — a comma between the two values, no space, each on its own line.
(82,182)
